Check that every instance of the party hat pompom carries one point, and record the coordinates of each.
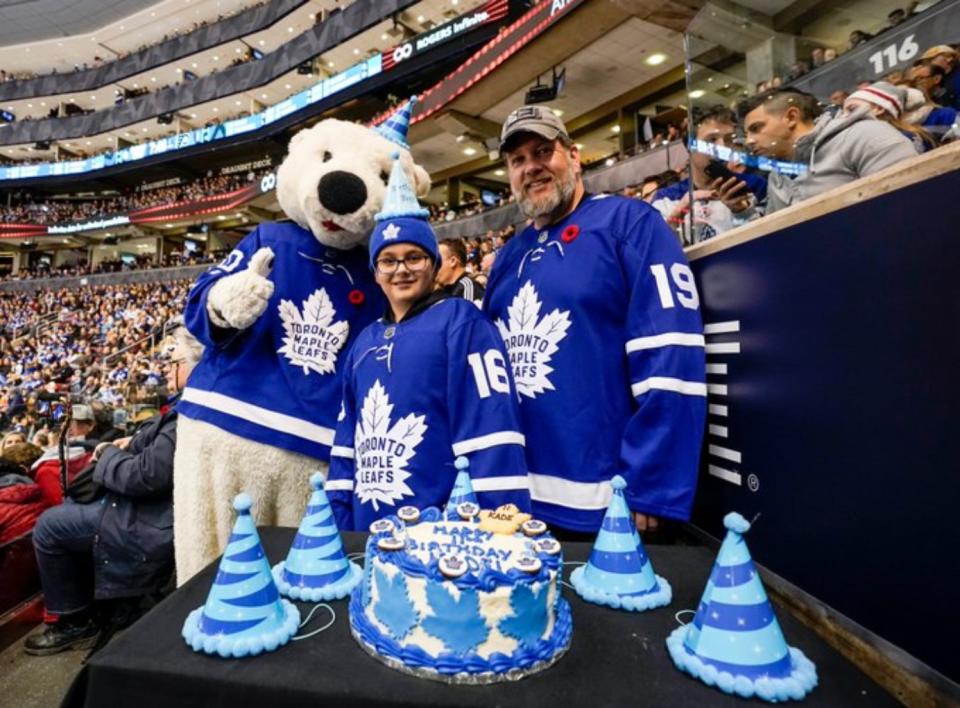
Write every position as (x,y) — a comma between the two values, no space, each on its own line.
(462,490)
(316,569)
(619,573)
(396,126)
(734,641)
(244,614)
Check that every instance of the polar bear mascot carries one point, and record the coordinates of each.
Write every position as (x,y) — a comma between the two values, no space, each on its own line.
(276,319)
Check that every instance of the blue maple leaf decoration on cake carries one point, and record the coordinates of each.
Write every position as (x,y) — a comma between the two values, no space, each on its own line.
(457,623)
(529,620)
(393,607)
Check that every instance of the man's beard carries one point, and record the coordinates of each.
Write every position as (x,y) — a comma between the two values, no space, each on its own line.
(558,199)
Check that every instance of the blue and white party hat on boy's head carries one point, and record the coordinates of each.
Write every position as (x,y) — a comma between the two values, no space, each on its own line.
(402,219)
(396,126)
(316,568)
(244,614)
(619,573)
(734,641)
(462,489)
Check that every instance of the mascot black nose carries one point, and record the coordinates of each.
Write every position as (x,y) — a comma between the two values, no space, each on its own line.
(342,192)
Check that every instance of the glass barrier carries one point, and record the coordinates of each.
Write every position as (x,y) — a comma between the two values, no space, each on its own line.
(788,105)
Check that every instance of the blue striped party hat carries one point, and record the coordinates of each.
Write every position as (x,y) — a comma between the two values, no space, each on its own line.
(462,489)
(316,568)
(734,641)
(396,126)
(619,573)
(244,614)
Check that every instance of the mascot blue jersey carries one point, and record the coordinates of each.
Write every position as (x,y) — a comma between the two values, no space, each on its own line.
(417,395)
(278,382)
(601,318)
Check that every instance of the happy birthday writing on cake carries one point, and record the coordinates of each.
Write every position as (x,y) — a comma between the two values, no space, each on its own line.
(466,541)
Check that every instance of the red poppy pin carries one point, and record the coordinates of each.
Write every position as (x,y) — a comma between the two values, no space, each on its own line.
(356,297)
(570,233)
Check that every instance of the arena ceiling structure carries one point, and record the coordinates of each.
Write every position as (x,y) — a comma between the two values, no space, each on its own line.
(616,54)
(24,21)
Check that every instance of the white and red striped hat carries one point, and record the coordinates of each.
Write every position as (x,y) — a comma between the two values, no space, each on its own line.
(885,95)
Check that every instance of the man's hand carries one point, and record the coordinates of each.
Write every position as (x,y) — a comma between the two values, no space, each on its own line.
(683,205)
(645,522)
(236,301)
(119,442)
(732,193)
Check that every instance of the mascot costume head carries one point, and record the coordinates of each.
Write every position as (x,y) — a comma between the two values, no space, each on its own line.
(277,319)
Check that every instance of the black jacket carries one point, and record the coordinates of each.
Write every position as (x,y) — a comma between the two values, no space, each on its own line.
(133,550)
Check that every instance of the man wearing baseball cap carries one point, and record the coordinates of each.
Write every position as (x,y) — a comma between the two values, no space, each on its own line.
(600,314)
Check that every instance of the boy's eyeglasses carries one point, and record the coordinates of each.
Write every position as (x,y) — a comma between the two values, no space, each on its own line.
(415,262)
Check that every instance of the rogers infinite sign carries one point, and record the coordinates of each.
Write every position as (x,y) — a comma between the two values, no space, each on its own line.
(490,12)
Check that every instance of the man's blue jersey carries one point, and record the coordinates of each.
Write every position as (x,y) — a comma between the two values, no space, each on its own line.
(417,395)
(278,382)
(601,318)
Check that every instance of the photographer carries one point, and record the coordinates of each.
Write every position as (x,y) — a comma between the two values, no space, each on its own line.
(117,541)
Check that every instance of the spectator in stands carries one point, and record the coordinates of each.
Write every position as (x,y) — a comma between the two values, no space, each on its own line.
(947,58)
(452,274)
(938,122)
(11,439)
(858,37)
(832,151)
(928,77)
(885,102)
(117,547)
(829,54)
(899,16)
(838,97)
(816,57)
(719,201)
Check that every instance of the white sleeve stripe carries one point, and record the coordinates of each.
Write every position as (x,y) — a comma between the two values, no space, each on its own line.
(662,340)
(338,485)
(664,383)
(565,492)
(504,437)
(497,484)
(342,451)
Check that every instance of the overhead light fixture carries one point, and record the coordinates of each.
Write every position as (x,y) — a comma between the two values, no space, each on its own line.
(558,112)
(469,151)
(384,36)
(237,103)
(656,59)
(216,57)
(579,146)
(421,18)
(610,161)
(331,64)
(499,173)
(261,42)
(263,95)
(238,50)
(289,29)
(356,51)
(216,110)
(615,128)
(697,93)
(287,86)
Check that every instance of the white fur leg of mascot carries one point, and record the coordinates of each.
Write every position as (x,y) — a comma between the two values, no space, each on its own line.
(213,466)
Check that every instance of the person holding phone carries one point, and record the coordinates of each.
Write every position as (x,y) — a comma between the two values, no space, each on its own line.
(722,198)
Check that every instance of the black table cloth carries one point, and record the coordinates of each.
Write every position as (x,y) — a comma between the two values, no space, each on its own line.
(616,658)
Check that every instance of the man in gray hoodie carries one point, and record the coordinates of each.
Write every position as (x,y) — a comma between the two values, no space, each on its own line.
(783,124)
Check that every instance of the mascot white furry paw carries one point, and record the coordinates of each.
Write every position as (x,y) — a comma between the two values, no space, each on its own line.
(276,319)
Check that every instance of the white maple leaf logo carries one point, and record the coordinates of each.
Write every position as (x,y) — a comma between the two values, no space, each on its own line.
(532,342)
(312,339)
(382,451)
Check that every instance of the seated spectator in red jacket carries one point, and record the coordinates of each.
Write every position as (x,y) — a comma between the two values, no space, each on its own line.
(21,500)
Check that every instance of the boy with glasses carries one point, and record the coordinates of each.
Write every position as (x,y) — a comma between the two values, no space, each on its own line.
(426,383)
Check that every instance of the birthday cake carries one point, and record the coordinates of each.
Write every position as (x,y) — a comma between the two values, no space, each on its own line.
(474,600)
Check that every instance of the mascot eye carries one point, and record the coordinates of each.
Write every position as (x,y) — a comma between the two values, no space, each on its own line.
(385,176)
(327,156)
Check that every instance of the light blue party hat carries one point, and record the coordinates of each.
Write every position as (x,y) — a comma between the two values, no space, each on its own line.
(244,614)
(396,126)
(462,489)
(402,219)
(734,641)
(400,201)
(619,573)
(316,568)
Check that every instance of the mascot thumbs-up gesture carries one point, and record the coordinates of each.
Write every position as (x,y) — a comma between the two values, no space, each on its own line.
(277,318)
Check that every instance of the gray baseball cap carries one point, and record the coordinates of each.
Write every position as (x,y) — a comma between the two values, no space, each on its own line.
(81,411)
(532,119)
